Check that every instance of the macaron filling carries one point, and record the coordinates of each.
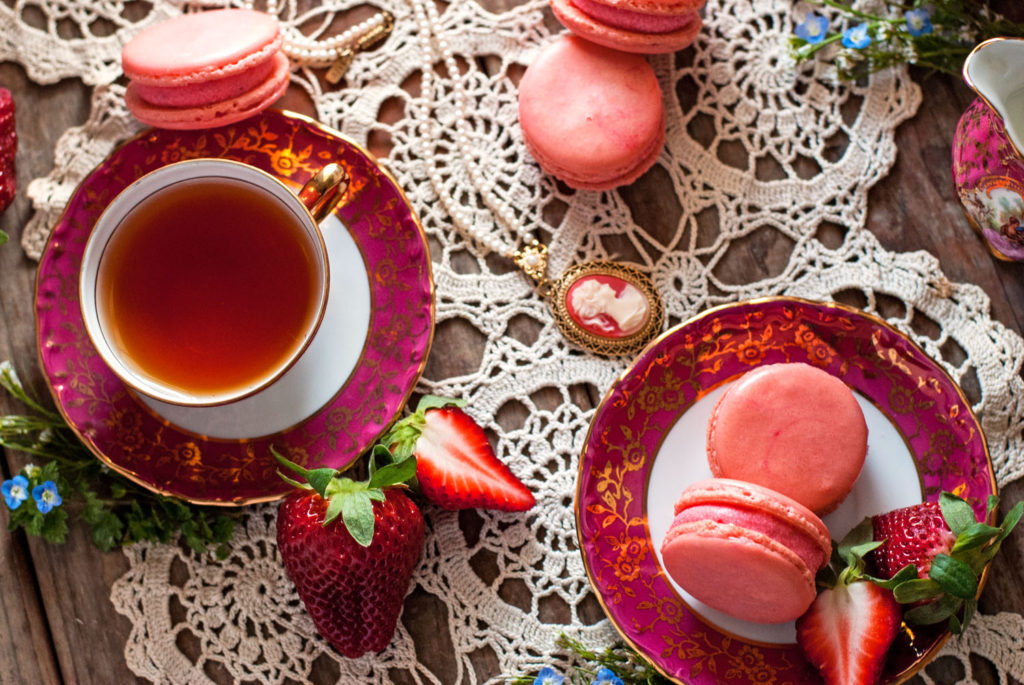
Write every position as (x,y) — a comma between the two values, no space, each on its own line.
(631,20)
(212,90)
(805,547)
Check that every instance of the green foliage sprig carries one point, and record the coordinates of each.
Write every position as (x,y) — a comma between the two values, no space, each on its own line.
(118,511)
(864,37)
(614,666)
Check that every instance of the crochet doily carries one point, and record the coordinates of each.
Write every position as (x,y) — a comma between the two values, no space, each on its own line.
(738,113)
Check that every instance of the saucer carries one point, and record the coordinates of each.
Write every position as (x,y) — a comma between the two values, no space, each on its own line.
(361,367)
(647,441)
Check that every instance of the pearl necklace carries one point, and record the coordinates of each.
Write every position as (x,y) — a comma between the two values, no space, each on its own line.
(337,51)
(606,307)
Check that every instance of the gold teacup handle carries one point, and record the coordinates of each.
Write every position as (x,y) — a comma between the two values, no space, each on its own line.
(323,192)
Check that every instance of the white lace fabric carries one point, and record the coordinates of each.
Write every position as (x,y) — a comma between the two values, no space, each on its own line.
(733,96)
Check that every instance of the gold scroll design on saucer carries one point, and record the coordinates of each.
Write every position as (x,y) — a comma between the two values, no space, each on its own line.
(672,382)
(256,144)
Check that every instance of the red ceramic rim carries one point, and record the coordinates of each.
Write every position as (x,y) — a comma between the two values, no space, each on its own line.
(125,435)
(673,372)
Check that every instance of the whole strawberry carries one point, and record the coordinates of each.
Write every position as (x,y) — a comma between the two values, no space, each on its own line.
(8,149)
(350,548)
(935,554)
(455,465)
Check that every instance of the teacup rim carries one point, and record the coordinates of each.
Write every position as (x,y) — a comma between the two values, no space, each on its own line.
(152,388)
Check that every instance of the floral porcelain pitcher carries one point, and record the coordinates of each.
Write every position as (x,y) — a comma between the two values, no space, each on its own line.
(988,167)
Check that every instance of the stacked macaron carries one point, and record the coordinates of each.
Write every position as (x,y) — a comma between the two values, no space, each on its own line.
(205,69)
(786,443)
(644,26)
(590,115)
(745,550)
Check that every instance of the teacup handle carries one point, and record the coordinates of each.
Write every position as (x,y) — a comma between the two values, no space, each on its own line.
(323,192)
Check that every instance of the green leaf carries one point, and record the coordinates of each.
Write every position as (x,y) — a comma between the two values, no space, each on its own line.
(1012,518)
(320,478)
(974,536)
(958,513)
(916,590)
(357,514)
(292,466)
(55,525)
(933,612)
(333,508)
(970,608)
(393,474)
(860,535)
(905,574)
(3,237)
(428,402)
(954,576)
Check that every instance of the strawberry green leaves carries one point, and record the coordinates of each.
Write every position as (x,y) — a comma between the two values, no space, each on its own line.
(949,592)
(352,500)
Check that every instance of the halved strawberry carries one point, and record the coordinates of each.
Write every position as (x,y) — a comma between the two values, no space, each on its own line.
(847,632)
(455,465)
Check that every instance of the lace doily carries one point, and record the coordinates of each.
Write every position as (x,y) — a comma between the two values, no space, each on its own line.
(737,113)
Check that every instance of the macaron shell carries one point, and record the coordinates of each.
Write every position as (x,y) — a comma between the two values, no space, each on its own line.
(219,113)
(757,500)
(626,40)
(600,181)
(195,93)
(591,115)
(200,46)
(630,19)
(792,428)
(741,573)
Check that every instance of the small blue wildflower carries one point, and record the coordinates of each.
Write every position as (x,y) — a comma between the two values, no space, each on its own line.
(548,676)
(46,496)
(606,676)
(812,29)
(15,491)
(856,37)
(919,22)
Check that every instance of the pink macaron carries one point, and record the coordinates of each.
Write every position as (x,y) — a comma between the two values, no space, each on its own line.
(644,26)
(745,550)
(205,69)
(793,428)
(590,115)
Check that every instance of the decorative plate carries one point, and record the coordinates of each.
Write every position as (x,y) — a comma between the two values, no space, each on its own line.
(134,439)
(647,442)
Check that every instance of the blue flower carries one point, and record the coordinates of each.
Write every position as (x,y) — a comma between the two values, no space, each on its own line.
(548,676)
(856,37)
(812,29)
(15,491)
(919,21)
(46,496)
(606,676)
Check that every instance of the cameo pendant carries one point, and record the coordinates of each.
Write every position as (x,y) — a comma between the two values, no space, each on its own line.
(608,308)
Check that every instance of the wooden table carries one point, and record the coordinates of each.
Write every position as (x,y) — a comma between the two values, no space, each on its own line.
(56,621)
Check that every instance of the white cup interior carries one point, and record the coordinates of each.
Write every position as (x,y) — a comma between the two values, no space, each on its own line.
(113,217)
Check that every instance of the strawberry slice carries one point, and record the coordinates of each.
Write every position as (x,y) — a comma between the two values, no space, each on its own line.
(455,465)
(847,632)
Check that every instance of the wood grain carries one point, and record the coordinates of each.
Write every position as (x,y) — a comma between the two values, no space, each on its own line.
(57,622)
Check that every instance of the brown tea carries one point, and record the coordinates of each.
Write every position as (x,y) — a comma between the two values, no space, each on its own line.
(208,285)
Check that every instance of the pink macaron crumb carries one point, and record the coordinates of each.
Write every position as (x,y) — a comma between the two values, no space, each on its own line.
(632,20)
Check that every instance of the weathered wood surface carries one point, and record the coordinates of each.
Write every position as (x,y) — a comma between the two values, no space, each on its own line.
(56,621)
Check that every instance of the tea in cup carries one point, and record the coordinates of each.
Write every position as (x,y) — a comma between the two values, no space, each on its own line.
(205,280)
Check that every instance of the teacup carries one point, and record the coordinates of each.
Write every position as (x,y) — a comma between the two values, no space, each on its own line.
(204,281)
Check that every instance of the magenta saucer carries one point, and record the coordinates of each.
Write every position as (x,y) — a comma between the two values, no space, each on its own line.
(646,443)
(134,440)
